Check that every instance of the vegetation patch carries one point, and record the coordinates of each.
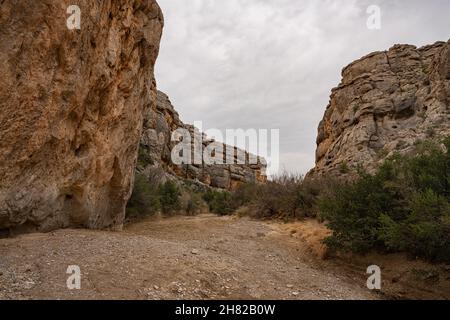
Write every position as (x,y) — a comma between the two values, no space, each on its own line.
(151,196)
(404,206)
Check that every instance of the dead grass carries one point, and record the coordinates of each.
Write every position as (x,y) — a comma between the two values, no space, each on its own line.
(309,232)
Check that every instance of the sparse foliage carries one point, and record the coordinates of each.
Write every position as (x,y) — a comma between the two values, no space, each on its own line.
(145,198)
(219,202)
(169,197)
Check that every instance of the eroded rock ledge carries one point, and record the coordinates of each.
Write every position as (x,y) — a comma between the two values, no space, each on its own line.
(71,109)
(386,102)
(156,147)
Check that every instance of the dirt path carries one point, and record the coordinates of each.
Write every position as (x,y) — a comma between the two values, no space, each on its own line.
(203,257)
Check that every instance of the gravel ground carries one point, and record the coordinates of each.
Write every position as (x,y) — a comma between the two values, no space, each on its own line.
(203,257)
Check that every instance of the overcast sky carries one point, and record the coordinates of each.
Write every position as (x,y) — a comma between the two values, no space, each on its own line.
(271,64)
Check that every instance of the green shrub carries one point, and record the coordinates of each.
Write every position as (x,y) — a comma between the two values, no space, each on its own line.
(425,232)
(169,197)
(219,202)
(144,199)
(404,206)
(353,211)
(151,194)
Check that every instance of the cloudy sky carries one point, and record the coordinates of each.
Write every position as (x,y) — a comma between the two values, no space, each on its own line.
(271,64)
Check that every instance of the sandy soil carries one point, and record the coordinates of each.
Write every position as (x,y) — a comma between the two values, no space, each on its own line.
(203,257)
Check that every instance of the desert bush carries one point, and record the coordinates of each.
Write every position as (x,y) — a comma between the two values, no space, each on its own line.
(150,193)
(191,202)
(195,204)
(244,194)
(169,197)
(144,199)
(352,212)
(286,196)
(404,206)
(425,232)
(243,211)
(219,202)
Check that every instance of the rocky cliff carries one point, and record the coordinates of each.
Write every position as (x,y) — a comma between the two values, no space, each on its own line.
(386,102)
(157,145)
(71,109)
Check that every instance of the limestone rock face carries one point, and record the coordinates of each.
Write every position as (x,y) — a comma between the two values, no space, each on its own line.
(157,145)
(71,109)
(386,102)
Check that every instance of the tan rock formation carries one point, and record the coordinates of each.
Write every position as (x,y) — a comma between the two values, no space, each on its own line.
(156,148)
(71,109)
(385,103)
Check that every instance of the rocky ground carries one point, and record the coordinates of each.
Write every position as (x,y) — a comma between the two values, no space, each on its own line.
(204,257)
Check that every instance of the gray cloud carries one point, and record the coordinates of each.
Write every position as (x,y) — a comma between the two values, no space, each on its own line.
(272,64)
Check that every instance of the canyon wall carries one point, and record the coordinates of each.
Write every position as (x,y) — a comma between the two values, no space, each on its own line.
(71,109)
(386,102)
(157,145)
